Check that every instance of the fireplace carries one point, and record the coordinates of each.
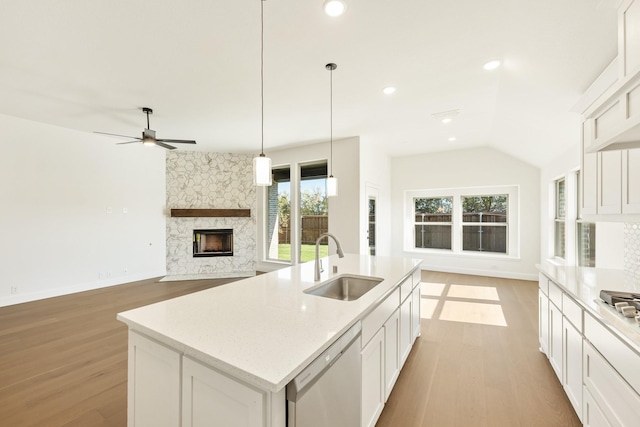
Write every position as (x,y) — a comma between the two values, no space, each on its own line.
(208,243)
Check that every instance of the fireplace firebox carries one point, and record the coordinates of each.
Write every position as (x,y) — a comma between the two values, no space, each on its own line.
(217,242)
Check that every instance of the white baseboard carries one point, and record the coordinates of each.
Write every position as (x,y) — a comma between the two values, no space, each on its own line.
(481,272)
(56,292)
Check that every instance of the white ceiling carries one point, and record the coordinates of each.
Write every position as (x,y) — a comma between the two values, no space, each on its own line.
(91,65)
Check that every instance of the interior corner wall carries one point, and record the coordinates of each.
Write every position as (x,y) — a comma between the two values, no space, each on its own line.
(476,167)
(79,212)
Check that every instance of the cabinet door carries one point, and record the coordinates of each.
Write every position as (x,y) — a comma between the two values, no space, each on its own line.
(543,322)
(415,313)
(592,415)
(405,329)
(629,36)
(610,182)
(555,339)
(631,181)
(572,365)
(392,352)
(212,399)
(154,383)
(373,384)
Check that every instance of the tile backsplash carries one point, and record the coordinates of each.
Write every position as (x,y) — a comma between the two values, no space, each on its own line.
(632,248)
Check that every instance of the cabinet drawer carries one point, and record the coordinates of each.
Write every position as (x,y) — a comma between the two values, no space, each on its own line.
(572,311)
(613,395)
(555,294)
(375,320)
(622,358)
(543,283)
(405,288)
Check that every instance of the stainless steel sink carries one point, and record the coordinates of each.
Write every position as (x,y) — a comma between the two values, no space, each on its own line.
(346,287)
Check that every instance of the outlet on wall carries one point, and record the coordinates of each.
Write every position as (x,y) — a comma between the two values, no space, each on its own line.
(14,289)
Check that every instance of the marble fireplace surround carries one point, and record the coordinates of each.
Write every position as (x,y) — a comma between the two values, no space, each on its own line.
(210,191)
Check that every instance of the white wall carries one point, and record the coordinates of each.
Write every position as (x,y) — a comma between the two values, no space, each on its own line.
(375,170)
(478,167)
(57,187)
(344,210)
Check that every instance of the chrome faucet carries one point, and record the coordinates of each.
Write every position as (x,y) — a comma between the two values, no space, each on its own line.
(318,262)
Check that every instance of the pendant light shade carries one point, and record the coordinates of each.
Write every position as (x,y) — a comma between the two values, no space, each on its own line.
(262,171)
(262,164)
(332,186)
(332,182)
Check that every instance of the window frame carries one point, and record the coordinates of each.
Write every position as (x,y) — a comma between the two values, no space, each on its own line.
(486,224)
(557,219)
(513,219)
(440,223)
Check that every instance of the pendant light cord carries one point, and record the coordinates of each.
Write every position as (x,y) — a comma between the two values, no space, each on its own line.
(331,121)
(262,78)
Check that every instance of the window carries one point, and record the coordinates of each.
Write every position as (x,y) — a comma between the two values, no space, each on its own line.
(279,215)
(470,221)
(559,221)
(585,235)
(484,223)
(433,222)
(314,210)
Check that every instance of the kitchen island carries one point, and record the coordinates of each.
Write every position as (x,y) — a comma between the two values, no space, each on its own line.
(245,341)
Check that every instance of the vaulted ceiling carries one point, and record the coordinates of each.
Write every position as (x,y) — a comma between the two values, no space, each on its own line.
(91,66)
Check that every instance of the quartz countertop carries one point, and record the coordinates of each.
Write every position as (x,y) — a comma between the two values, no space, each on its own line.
(264,330)
(584,285)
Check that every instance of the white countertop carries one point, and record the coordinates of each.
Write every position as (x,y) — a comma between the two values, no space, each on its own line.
(264,330)
(585,284)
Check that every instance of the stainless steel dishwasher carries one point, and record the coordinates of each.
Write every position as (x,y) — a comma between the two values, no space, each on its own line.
(327,392)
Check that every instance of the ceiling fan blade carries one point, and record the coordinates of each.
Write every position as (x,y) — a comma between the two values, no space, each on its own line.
(115,134)
(177,141)
(128,142)
(168,147)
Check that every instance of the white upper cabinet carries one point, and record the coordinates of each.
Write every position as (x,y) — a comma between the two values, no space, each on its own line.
(631,181)
(612,122)
(610,190)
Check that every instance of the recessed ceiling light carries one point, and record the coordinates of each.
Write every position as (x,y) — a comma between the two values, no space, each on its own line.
(492,65)
(334,7)
(389,90)
(453,138)
(447,120)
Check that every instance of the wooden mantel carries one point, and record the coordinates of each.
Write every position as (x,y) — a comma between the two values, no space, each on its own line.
(212,213)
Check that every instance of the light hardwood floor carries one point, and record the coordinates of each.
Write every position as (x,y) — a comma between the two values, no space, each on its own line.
(63,360)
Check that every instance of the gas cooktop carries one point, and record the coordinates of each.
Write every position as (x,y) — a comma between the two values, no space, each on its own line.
(612,297)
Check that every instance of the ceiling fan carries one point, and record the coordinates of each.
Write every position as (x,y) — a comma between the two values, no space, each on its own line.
(149,136)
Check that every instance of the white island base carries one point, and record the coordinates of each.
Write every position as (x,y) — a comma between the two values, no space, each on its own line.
(193,361)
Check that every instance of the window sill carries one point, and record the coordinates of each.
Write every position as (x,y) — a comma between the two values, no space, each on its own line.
(464,255)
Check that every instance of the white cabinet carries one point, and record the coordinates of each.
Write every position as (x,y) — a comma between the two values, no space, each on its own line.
(415,312)
(543,322)
(592,415)
(153,383)
(210,398)
(610,182)
(572,365)
(405,330)
(391,352)
(629,37)
(555,339)
(373,380)
(631,181)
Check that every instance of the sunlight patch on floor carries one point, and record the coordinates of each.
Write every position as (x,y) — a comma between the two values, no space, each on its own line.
(428,307)
(473,312)
(488,293)
(432,289)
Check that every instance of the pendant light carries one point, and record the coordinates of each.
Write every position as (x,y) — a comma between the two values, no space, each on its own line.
(332,182)
(262,164)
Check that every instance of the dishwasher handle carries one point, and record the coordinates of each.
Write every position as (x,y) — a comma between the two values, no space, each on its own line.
(309,375)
